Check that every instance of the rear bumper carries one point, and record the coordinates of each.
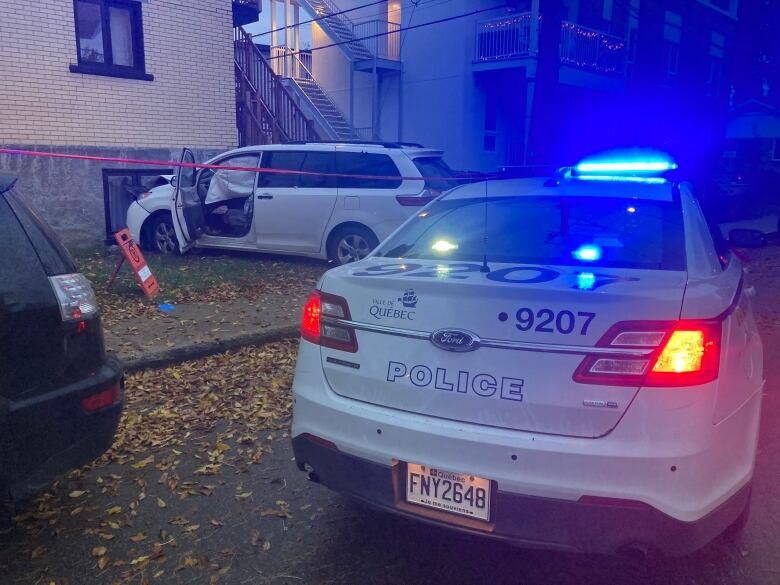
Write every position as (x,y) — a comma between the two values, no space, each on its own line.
(525,520)
(666,456)
(44,437)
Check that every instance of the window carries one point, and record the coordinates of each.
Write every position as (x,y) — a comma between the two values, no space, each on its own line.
(288,160)
(363,163)
(776,150)
(672,36)
(630,233)
(717,51)
(109,38)
(438,175)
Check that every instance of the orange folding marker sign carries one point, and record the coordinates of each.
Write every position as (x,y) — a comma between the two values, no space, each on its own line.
(132,253)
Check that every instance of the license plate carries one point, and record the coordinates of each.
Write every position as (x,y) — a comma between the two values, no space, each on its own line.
(457,493)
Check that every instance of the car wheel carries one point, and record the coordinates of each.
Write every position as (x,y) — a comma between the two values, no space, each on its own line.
(351,244)
(162,235)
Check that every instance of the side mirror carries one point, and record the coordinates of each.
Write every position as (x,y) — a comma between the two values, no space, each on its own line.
(173,181)
(743,238)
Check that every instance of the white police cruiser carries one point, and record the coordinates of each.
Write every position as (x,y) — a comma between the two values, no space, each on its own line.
(570,363)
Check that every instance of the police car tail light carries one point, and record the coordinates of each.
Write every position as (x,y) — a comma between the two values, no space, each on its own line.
(319,322)
(669,353)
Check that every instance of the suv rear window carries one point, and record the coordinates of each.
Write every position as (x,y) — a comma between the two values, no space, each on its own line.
(364,163)
(436,173)
(53,256)
(627,233)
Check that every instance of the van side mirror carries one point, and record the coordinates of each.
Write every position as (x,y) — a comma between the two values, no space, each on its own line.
(743,238)
(173,181)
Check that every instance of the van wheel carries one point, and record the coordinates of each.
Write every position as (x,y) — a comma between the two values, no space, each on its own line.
(161,236)
(351,243)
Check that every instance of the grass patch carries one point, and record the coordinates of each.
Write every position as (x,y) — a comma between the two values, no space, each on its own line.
(197,277)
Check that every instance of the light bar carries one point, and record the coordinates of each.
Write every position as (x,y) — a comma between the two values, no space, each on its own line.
(621,179)
(626,167)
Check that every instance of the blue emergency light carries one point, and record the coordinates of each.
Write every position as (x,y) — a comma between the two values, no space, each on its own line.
(587,253)
(635,167)
(613,167)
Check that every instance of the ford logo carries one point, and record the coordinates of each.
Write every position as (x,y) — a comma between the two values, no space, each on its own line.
(455,340)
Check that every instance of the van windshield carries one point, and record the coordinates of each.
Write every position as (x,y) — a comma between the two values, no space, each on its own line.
(575,231)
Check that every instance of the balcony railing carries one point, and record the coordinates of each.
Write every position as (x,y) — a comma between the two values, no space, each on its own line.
(386,46)
(287,63)
(592,49)
(508,37)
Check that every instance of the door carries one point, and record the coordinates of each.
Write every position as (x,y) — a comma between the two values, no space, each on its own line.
(186,207)
(293,210)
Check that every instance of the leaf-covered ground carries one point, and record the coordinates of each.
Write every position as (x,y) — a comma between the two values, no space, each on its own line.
(189,434)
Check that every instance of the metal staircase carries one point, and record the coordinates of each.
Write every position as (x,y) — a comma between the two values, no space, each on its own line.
(300,79)
(266,111)
(338,27)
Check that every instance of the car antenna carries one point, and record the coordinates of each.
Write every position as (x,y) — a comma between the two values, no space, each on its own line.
(485,268)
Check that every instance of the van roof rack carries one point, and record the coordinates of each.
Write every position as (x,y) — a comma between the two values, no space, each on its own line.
(361,142)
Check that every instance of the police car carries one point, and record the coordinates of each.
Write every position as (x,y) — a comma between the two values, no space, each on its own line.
(569,363)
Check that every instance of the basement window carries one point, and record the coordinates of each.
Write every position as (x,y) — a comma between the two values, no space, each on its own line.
(109,38)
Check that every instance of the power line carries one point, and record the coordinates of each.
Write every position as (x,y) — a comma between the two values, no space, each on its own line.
(390,32)
(281,28)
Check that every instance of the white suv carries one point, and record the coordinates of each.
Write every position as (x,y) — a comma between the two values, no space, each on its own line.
(569,363)
(334,201)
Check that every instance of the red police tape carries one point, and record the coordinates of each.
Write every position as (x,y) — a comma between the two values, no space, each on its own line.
(134,161)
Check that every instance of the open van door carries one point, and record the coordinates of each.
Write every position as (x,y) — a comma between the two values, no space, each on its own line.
(186,206)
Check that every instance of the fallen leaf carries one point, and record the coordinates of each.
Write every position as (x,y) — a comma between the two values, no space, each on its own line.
(99,551)
(138,537)
(102,562)
(161,503)
(77,493)
(144,462)
(38,552)
(114,510)
(243,496)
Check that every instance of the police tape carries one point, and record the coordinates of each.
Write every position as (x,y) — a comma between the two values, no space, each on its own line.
(186,165)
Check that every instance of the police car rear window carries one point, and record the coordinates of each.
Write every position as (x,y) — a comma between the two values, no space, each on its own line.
(572,231)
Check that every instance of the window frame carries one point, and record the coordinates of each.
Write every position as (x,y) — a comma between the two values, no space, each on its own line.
(108,68)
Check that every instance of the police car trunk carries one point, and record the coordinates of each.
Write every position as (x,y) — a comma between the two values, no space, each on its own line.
(516,304)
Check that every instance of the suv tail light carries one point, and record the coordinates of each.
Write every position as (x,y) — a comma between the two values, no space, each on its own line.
(318,326)
(678,353)
(420,200)
(75,295)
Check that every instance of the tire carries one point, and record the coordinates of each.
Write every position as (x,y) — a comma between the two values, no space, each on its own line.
(350,244)
(161,236)
(735,529)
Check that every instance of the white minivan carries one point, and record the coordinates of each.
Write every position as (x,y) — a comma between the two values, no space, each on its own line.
(334,201)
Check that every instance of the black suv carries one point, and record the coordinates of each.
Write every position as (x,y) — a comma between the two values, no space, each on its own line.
(60,396)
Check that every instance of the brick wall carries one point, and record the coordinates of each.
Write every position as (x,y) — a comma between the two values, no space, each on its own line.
(188,49)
